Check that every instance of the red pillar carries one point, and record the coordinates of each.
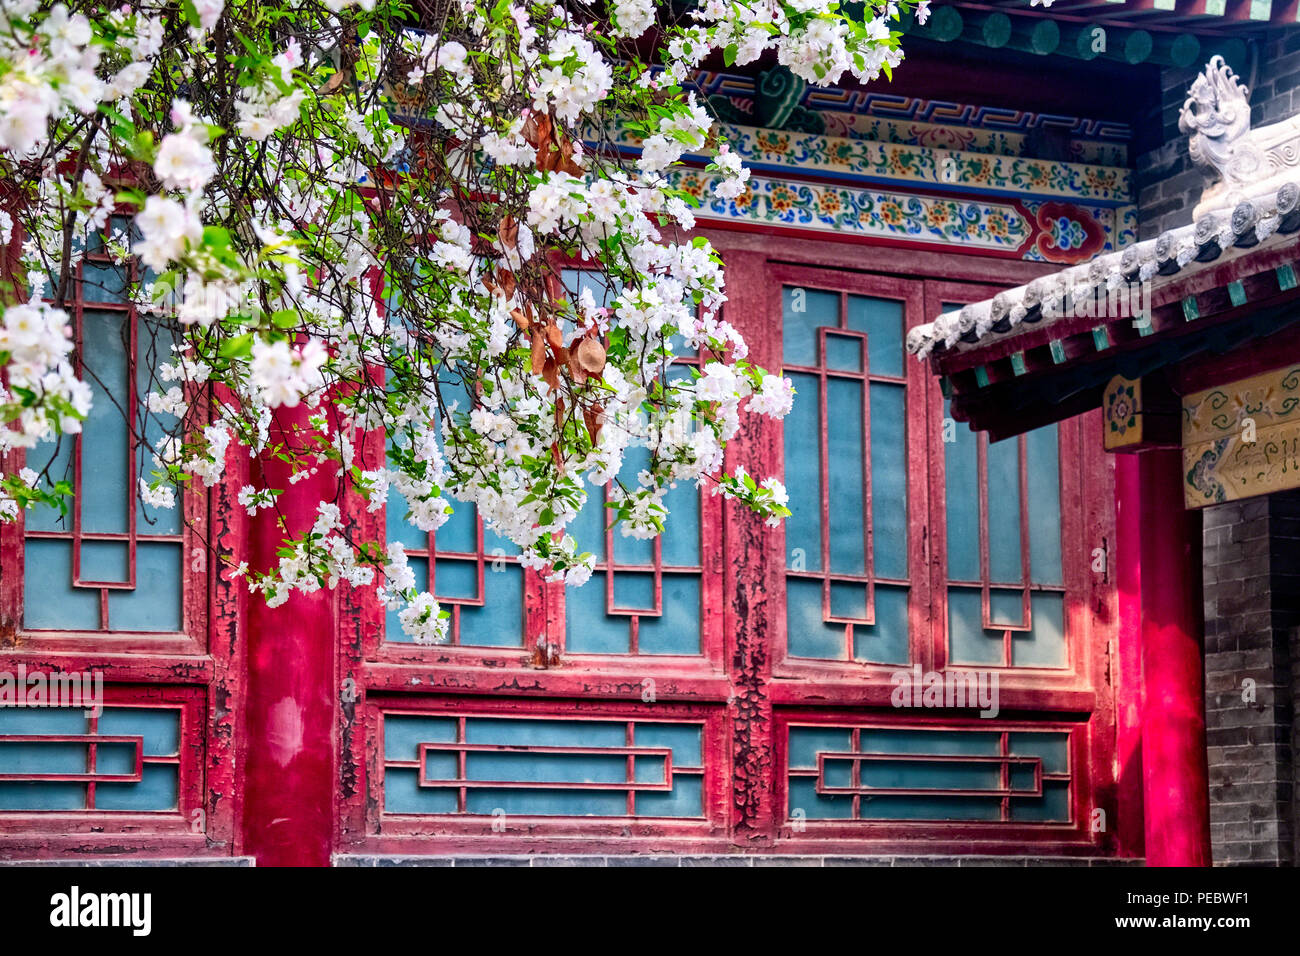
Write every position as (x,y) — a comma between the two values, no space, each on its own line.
(1175,773)
(288,764)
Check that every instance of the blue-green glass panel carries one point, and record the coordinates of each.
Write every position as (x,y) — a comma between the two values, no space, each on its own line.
(441,765)
(807,803)
(1044,645)
(154,346)
(888,481)
(49,599)
(1052,807)
(158,789)
(634,591)
(1022,777)
(968,641)
(403,794)
(43,720)
(931,808)
(849,599)
(876,740)
(843,353)
(807,633)
(567,803)
(940,775)
(398,528)
(550,733)
(460,532)
(588,628)
(103,282)
(1004,512)
(588,527)
(42,796)
(1054,749)
(546,768)
(807,742)
(392,620)
(802,428)
(803,312)
(837,772)
(846,462)
(57,457)
(961,483)
(105,561)
(679,545)
(684,740)
(42,757)
(499,622)
(649,769)
(105,442)
(686,799)
(403,734)
(115,758)
(1007,608)
(457,579)
(884,642)
(882,320)
(627,549)
(159,727)
(677,630)
(1044,467)
(155,604)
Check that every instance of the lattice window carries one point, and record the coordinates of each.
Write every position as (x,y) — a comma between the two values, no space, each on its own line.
(126,759)
(111,565)
(467,764)
(1006,593)
(847,578)
(877,772)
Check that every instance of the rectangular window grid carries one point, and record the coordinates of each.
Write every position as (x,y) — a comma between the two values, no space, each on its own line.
(847,581)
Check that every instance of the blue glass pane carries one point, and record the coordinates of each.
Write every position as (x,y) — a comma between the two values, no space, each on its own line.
(1007,608)
(677,631)
(403,734)
(650,769)
(879,740)
(1004,512)
(680,543)
(588,528)
(568,803)
(807,633)
(968,641)
(42,796)
(849,599)
(105,561)
(157,790)
(634,591)
(398,528)
(931,808)
(846,462)
(392,620)
(154,344)
(843,353)
(54,720)
(803,312)
(1044,463)
(115,758)
(105,443)
(961,481)
(403,794)
(802,429)
(884,642)
(500,621)
(1052,806)
(1054,749)
(807,742)
(686,799)
(940,775)
(882,320)
(49,599)
(102,282)
(546,768)
(684,740)
(552,733)
(159,727)
(888,480)
(460,533)
(1044,645)
(42,757)
(457,579)
(807,803)
(57,457)
(155,604)
(587,627)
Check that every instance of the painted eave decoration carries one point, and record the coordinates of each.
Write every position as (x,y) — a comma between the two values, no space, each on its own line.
(1246,220)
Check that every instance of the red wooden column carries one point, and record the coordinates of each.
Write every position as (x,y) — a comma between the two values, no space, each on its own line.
(1175,773)
(289,704)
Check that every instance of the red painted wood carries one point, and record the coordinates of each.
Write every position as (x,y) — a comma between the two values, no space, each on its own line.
(290,693)
(1175,774)
(1125,563)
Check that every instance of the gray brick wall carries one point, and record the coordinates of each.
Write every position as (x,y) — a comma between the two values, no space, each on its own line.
(1167,183)
(1252,609)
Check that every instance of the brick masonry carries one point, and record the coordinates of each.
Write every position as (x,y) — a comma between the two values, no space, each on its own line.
(1252,612)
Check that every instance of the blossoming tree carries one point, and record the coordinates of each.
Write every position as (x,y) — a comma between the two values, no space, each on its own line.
(400,272)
